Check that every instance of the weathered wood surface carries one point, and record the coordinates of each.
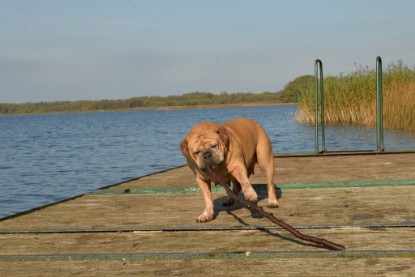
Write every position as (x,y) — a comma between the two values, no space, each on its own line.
(369,205)
(115,233)
(306,169)
(318,267)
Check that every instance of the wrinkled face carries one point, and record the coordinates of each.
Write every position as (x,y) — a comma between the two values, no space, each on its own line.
(206,149)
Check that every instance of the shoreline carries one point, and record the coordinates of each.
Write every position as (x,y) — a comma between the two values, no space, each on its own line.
(213,106)
(155,108)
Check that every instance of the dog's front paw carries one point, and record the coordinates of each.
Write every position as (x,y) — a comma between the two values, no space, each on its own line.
(272,204)
(204,218)
(251,195)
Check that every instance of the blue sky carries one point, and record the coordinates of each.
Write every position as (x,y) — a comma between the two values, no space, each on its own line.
(74,50)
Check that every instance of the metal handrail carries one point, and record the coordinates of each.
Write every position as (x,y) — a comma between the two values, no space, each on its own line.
(319,94)
(319,101)
(380,147)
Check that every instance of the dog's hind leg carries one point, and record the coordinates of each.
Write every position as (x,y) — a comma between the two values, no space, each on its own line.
(266,164)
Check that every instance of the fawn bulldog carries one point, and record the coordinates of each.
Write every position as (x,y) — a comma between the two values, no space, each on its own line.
(231,151)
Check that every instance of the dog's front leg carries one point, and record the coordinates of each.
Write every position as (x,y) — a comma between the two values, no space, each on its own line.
(240,174)
(205,187)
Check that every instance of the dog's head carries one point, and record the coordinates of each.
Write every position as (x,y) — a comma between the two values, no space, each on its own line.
(206,145)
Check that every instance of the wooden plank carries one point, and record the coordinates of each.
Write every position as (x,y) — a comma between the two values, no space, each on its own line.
(346,168)
(367,205)
(319,267)
(188,242)
(251,260)
(304,169)
(217,267)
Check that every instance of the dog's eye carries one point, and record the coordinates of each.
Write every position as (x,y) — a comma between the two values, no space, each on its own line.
(197,152)
(214,145)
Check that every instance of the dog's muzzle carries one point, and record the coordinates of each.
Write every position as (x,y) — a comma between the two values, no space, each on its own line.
(207,157)
(209,160)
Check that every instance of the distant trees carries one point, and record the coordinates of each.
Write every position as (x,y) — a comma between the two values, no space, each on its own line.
(293,90)
(186,100)
(290,93)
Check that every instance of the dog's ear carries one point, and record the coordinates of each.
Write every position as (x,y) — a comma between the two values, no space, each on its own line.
(223,134)
(183,147)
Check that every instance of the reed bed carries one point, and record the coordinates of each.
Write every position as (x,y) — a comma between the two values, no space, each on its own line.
(351,99)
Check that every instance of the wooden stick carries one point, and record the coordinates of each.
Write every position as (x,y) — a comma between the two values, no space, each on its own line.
(255,208)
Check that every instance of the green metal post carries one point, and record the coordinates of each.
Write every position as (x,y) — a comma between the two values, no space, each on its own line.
(379,106)
(319,93)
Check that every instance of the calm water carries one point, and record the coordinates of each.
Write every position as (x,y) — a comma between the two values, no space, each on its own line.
(45,158)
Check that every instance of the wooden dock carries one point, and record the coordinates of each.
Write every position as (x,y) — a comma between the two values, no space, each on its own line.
(146,226)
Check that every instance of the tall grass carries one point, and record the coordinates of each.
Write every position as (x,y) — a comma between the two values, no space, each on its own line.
(351,98)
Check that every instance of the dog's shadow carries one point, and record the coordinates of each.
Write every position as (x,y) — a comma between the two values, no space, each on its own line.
(260,189)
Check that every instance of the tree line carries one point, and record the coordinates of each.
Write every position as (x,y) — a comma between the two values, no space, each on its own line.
(290,93)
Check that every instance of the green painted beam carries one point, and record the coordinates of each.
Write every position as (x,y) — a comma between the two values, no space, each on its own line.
(213,255)
(199,228)
(262,187)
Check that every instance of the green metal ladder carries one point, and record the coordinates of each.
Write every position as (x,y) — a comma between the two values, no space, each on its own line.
(319,105)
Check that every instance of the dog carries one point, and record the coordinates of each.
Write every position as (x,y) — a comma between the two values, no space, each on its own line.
(231,151)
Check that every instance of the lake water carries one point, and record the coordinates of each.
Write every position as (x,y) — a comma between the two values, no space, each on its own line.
(46,158)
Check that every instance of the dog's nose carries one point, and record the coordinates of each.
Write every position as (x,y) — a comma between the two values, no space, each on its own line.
(207,155)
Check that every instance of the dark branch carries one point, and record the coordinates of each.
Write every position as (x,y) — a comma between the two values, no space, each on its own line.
(255,208)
